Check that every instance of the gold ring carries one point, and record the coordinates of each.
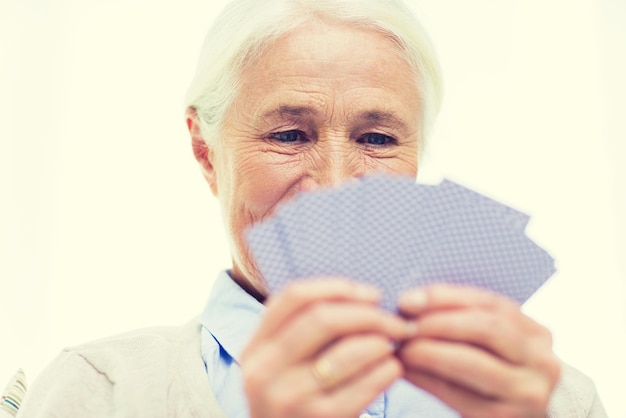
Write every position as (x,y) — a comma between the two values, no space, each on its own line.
(324,374)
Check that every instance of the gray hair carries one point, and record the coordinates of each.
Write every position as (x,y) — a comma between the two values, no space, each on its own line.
(247,28)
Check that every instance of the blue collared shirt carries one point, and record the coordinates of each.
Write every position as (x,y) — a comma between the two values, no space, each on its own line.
(228,321)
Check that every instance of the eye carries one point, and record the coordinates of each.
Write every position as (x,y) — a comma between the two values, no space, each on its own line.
(376,139)
(288,136)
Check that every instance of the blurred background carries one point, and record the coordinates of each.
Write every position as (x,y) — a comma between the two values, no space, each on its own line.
(106,224)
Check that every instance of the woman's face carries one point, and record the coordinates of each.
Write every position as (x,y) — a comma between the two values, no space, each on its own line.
(326,104)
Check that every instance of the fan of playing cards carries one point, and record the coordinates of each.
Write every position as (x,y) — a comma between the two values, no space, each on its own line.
(395,234)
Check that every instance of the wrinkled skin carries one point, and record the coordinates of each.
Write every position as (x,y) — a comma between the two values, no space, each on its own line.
(326,104)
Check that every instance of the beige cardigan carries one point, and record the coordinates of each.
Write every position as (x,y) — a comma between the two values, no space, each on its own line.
(159,373)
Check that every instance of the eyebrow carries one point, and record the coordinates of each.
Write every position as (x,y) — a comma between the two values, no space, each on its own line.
(379,116)
(289,111)
(372,116)
(388,118)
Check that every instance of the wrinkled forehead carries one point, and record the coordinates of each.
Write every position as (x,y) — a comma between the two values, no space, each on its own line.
(329,71)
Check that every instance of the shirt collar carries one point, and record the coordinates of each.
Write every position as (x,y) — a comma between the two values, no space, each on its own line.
(231,315)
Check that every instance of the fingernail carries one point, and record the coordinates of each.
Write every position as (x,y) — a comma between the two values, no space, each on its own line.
(367,292)
(415,299)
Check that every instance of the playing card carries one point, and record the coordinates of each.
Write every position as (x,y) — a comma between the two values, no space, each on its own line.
(392,233)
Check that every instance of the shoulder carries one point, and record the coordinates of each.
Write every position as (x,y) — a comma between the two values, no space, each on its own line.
(136,350)
(87,380)
(575,396)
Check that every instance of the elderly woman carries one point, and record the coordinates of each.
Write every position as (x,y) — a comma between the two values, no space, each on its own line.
(291,96)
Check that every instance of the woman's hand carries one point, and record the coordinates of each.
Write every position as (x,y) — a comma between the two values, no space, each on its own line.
(478,353)
(323,349)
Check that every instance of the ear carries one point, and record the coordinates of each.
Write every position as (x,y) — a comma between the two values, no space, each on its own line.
(204,155)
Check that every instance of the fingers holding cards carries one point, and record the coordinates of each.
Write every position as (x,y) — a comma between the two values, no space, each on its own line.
(322,345)
(478,352)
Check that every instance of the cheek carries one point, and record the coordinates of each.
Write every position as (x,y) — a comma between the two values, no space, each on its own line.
(262,183)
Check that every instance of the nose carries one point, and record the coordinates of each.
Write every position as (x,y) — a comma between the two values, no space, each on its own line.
(332,163)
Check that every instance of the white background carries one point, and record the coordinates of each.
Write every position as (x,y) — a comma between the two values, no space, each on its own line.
(106,224)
